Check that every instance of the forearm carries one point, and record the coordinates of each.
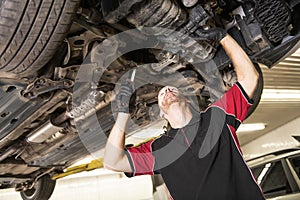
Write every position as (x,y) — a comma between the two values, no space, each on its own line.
(245,70)
(114,156)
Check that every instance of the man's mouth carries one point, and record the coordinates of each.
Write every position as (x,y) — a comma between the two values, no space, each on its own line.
(169,95)
(169,98)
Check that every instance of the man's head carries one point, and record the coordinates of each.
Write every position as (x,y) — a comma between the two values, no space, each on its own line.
(171,102)
(167,96)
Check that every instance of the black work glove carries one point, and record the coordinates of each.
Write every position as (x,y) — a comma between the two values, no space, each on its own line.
(216,34)
(125,96)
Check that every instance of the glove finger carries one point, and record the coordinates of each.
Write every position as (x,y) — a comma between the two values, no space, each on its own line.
(128,83)
(126,93)
(128,87)
(126,90)
(122,95)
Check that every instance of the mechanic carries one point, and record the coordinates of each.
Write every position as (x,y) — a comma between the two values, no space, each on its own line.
(199,157)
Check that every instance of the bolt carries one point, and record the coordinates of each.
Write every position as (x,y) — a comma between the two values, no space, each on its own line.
(29,94)
(41,81)
(67,83)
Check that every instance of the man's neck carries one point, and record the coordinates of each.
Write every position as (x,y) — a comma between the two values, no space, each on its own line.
(181,117)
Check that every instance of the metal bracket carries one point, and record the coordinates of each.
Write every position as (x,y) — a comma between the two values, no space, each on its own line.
(44,85)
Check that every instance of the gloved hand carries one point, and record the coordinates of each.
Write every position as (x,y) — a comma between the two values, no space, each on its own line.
(126,93)
(216,34)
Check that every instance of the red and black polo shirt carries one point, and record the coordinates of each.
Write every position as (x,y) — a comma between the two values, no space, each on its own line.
(202,160)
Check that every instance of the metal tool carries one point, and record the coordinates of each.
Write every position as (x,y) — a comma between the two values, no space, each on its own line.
(133,75)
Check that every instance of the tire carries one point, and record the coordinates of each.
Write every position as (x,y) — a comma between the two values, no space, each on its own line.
(42,189)
(31,32)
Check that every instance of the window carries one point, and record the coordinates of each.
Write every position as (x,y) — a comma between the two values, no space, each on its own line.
(257,171)
(296,164)
(272,179)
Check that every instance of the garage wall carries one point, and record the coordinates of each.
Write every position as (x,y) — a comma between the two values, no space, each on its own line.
(96,185)
(278,139)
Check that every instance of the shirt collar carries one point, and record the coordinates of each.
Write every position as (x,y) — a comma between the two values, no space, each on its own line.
(195,119)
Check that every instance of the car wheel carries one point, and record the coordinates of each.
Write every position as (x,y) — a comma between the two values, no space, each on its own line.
(42,189)
(31,32)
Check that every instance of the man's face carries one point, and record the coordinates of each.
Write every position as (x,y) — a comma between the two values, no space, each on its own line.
(167,96)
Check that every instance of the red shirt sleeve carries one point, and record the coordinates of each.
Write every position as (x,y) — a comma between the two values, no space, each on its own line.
(235,102)
(141,159)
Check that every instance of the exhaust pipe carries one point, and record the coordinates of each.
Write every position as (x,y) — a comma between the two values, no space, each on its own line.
(44,132)
(8,153)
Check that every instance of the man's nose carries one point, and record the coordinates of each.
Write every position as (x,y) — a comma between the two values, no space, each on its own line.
(167,91)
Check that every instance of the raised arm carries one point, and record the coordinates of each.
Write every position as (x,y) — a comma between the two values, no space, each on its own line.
(114,155)
(245,70)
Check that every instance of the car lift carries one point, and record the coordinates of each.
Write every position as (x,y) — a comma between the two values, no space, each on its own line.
(94,164)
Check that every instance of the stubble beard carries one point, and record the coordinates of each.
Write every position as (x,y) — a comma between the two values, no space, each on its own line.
(172,100)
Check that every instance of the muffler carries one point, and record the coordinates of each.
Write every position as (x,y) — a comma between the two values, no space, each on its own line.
(44,132)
